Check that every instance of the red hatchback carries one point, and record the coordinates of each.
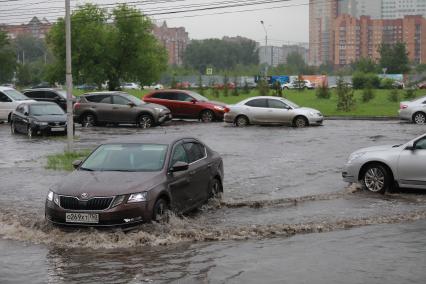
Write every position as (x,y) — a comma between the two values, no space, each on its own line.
(187,104)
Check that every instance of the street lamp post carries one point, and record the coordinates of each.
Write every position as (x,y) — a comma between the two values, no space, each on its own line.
(266,47)
(68,76)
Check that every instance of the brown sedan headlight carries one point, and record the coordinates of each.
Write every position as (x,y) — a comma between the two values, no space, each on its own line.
(53,197)
(137,197)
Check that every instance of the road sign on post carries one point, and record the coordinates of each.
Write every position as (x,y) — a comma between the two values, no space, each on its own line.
(209,71)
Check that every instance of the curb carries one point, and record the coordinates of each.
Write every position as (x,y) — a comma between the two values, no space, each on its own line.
(393,118)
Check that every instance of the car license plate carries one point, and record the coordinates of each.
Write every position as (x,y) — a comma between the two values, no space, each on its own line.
(82,218)
(57,129)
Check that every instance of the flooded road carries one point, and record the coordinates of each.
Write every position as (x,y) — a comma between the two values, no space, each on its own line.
(286,215)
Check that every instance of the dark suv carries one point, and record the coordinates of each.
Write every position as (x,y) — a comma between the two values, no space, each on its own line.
(118,107)
(57,96)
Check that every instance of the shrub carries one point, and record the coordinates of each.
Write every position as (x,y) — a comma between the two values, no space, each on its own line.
(323,92)
(345,96)
(367,94)
(263,87)
(410,94)
(386,83)
(246,88)
(277,88)
(362,80)
(215,91)
(225,85)
(394,95)
(235,91)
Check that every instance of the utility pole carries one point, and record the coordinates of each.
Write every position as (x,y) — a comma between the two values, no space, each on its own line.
(68,76)
(266,48)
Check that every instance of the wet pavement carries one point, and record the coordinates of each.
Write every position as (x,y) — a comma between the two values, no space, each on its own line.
(286,215)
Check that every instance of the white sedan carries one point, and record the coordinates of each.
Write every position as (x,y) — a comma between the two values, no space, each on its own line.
(271,110)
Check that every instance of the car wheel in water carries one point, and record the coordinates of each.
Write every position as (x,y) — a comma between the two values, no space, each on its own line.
(376,178)
(419,118)
(207,116)
(161,211)
(216,189)
(300,122)
(30,131)
(13,127)
(241,121)
(88,119)
(145,121)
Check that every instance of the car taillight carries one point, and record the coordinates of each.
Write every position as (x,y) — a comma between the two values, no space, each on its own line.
(227,109)
(403,106)
(76,105)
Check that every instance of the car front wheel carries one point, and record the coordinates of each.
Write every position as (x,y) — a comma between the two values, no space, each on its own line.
(300,122)
(241,121)
(161,211)
(207,116)
(12,127)
(30,131)
(88,120)
(376,178)
(145,121)
(419,118)
(216,189)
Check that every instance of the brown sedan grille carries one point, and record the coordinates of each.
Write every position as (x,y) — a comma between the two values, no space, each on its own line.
(72,203)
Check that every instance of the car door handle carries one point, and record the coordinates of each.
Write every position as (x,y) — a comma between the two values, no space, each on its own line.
(191,173)
(209,165)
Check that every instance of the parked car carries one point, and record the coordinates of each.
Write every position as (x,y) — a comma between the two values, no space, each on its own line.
(9,85)
(123,184)
(35,118)
(154,87)
(421,85)
(86,87)
(304,84)
(9,100)
(130,86)
(414,110)
(42,85)
(271,110)
(57,96)
(380,168)
(187,104)
(398,85)
(118,107)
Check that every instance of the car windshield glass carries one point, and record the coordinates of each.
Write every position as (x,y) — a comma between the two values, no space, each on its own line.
(15,95)
(198,97)
(127,158)
(135,100)
(51,109)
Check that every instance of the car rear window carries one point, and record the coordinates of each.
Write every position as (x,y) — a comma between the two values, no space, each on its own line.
(106,99)
(257,103)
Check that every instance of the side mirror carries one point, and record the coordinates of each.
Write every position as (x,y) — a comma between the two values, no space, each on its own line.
(193,101)
(26,113)
(179,167)
(410,147)
(76,163)
(131,104)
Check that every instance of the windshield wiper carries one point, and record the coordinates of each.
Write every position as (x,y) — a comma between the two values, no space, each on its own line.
(86,169)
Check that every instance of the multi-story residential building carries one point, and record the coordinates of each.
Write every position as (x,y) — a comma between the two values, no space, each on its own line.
(321,17)
(395,9)
(174,40)
(37,28)
(275,55)
(361,37)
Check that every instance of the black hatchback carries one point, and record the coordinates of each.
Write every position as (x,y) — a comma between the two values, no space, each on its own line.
(38,118)
(57,96)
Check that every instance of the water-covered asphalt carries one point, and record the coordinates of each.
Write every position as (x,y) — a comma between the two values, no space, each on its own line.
(286,215)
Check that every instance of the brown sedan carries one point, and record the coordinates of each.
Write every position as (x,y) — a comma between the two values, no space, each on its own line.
(121,184)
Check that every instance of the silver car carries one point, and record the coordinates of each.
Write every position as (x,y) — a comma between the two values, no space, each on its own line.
(414,111)
(382,167)
(271,110)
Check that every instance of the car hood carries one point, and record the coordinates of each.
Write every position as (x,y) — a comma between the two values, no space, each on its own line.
(106,183)
(376,148)
(152,105)
(49,118)
(308,109)
(216,103)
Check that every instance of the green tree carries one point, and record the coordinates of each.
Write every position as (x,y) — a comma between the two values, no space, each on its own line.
(123,49)
(7,59)
(30,48)
(365,65)
(345,96)
(394,58)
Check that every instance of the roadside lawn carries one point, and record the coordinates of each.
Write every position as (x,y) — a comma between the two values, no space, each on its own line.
(379,106)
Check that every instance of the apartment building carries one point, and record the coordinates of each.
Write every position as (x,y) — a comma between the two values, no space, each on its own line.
(174,40)
(37,28)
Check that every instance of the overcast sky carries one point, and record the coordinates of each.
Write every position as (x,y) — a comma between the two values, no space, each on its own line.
(285,21)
